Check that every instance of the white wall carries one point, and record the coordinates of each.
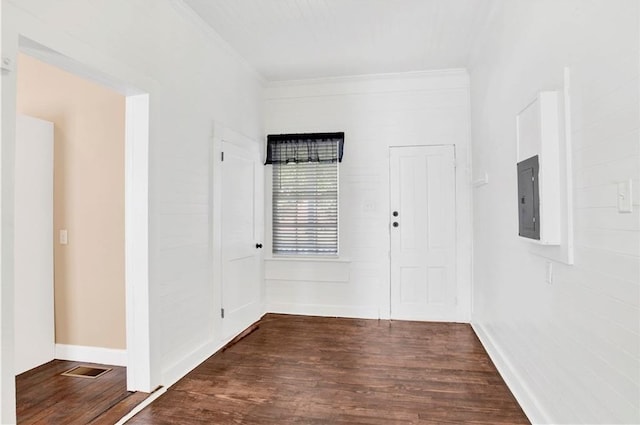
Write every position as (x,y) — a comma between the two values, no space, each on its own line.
(192,79)
(375,112)
(570,350)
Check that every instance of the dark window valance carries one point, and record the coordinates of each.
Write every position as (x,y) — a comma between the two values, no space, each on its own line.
(311,147)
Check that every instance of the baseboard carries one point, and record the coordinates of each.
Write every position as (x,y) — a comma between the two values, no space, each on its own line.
(364,312)
(147,401)
(80,353)
(179,369)
(512,378)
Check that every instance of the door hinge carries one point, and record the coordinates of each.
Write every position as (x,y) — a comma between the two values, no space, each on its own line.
(221,156)
(222,313)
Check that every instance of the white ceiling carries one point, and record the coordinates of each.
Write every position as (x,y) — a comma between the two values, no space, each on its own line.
(296,39)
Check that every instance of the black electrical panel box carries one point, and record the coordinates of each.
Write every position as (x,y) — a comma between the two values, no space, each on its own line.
(529,198)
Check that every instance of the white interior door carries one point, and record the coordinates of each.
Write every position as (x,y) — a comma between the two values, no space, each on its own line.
(423,240)
(242,231)
(33,244)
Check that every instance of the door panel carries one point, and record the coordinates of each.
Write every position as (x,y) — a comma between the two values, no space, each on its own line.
(241,231)
(33,244)
(423,281)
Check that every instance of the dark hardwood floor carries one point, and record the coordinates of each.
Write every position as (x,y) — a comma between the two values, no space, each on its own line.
(46,397)
(312,370)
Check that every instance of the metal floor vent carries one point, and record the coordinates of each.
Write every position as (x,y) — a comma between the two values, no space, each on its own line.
(87,372)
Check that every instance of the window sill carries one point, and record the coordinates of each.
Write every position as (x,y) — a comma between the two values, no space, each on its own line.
(315,259)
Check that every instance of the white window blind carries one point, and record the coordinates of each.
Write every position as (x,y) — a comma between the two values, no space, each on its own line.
(305,208)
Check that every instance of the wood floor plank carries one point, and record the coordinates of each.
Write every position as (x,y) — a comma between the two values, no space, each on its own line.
(44,396)
(119,409)
(314,370)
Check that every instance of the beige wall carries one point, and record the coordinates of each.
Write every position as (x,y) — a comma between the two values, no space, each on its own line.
(88,200)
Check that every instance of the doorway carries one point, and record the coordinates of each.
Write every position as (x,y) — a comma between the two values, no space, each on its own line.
(423,233)
(135,210)
(87,209)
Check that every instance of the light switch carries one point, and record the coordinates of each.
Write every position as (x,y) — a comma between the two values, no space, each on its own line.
(63,237)
(625,203)
(369,206)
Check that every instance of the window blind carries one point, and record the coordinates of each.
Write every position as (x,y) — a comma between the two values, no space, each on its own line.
(305,192)
(305,208)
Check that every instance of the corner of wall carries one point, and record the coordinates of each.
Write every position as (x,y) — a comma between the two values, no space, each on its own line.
(518,386)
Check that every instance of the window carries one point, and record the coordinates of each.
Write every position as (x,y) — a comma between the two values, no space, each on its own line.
(305,192)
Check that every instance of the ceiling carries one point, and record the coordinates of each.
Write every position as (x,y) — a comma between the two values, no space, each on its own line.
(297,39)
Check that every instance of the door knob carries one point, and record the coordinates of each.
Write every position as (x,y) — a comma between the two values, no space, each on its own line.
(258,245)
(395,224)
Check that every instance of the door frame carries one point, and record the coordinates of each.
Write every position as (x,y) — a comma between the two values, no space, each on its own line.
(136,249)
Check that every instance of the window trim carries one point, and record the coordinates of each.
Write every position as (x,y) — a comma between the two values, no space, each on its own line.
(301,148)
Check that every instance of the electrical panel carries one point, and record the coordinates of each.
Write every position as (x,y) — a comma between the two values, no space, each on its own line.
(529,198)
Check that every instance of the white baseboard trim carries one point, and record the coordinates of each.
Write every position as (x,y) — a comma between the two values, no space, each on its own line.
(179,369)
(81,353)
(147,401)
(529,403)
(355,312)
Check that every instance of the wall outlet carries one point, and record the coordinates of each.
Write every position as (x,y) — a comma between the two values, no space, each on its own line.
(625,201)
(63,237)
(549,277)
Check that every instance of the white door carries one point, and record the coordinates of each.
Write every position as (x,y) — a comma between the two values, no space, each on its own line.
(33,244)
(242,231)
(422,217)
